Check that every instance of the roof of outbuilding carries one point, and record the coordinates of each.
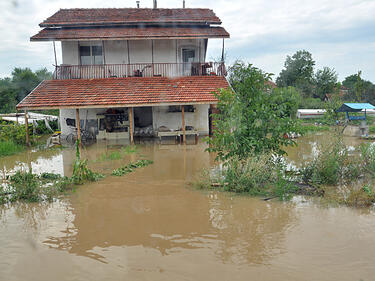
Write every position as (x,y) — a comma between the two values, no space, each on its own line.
(84,17)
(127,32)
(130,91)
(355,107)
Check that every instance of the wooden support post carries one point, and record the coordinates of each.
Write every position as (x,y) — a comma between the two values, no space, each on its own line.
(78,126)
(131,124)
(183,124)
(27,129)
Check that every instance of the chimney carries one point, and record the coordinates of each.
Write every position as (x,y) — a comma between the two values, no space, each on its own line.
(183,4)
(137,4)
(155,4)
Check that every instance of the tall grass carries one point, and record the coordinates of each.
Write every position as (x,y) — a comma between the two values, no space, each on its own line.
(261,175)
(9,148)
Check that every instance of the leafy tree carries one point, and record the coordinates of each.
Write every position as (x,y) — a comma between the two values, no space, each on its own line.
(7,96)
(358,86)
(22,82)
(252,121)
(359,89)
(325,82)
(298,72)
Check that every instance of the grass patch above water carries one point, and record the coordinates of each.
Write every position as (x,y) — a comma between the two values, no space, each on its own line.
(8,148)
(117,155)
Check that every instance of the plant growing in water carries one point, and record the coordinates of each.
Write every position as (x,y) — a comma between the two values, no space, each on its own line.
(130,167)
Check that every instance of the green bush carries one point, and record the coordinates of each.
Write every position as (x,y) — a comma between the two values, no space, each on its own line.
(26,186)
(14,132)
(259,175)
(333,166)
(368,157)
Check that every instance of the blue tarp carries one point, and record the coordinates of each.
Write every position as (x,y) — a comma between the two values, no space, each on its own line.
(355,107)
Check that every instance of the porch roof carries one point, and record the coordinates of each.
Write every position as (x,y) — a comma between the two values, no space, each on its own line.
(123,92)
(129,32)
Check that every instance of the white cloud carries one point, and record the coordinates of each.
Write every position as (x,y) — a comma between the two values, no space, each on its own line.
(337,32)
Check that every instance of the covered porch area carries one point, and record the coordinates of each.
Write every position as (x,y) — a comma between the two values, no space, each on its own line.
(137,123)
(129,108)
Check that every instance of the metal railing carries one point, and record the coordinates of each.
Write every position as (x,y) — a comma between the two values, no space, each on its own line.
(138,70)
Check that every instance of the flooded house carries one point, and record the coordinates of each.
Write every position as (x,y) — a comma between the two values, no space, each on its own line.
(131,72)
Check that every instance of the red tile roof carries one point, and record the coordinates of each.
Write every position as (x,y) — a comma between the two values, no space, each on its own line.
(82,17)
(129,33)
(130,91)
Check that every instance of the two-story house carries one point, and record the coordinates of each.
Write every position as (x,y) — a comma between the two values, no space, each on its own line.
(132,71)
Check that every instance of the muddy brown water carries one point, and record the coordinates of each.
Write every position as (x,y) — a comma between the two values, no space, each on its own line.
(148,225)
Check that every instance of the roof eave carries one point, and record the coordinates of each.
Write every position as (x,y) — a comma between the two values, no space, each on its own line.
(20,107)
(85,24)
(126,38)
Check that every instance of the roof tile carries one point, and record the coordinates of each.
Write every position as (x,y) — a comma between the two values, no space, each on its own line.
(81,17)
(123,91)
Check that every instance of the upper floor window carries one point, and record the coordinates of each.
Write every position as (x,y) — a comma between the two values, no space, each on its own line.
(91,55)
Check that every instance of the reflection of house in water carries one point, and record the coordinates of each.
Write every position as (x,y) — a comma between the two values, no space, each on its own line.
(129,71)
(152,208)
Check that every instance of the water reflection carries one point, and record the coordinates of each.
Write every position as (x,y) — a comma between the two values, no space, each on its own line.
(152,208)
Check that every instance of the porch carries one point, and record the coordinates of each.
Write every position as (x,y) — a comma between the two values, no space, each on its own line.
(139,70)
(143,122)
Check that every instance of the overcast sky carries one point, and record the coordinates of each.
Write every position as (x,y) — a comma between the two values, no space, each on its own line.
(339,33)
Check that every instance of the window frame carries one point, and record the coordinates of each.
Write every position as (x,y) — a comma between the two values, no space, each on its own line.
(91,55)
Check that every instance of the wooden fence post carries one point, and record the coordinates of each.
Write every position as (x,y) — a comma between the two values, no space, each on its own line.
(78,126)
(27,129)
(131,124)
(183,124)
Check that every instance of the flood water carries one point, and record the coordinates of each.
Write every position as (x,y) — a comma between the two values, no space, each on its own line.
(150,225)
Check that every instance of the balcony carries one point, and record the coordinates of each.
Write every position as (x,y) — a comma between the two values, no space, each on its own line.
(138,70)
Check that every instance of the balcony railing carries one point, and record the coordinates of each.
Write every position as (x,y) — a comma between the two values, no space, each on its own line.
(138,70)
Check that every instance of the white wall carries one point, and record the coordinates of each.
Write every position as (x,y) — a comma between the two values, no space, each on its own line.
(173,120)
(69,51)
(115,51)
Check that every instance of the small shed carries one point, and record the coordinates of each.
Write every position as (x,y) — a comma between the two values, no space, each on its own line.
(355,107)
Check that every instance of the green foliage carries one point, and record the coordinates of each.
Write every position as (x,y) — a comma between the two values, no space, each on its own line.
(26,186)
(287,99)
(41,128)
(311,103)
(252,121)
(298,72)
(325,82)
(13,132)
(9,148)
(260,175)
(130,167)
(20,84)
(7,96)
(368,158)
(81,172)
(331,115)
(333,166)
(359,89)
